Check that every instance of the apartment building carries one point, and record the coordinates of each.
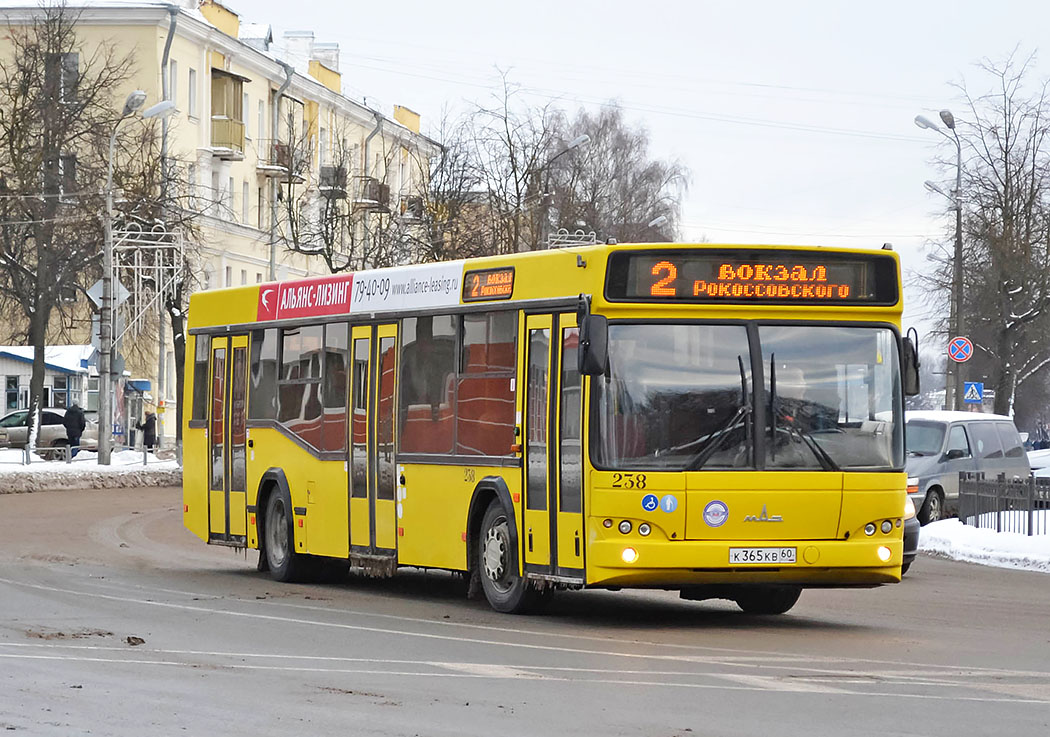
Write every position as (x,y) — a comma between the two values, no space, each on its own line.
(259,123)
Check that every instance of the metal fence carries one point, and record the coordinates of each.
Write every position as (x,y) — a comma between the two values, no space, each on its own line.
(1016,505)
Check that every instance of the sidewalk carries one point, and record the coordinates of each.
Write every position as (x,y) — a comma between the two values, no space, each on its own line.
(126,471)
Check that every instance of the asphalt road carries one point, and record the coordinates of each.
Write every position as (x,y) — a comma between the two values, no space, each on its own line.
(115,620)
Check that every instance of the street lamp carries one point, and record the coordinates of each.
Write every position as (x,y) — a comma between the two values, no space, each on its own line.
(952,387)
(545,224)
(132,104)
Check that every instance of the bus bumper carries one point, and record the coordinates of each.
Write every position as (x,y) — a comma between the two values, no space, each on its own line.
(671,564)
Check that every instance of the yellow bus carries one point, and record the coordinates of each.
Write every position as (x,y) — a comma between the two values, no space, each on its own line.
(724,421)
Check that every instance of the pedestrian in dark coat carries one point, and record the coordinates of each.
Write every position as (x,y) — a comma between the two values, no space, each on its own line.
(149,430)
(75,422)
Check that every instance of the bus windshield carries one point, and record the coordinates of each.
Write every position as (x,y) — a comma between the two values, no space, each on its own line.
(682,397)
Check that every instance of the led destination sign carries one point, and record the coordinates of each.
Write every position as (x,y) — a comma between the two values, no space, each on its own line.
(782,277)
(483,284)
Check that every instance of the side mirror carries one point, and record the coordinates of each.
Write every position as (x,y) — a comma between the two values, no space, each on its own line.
(910,363)
(593,356)
(954,453)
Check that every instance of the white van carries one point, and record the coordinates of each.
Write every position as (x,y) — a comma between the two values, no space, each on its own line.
(941,444)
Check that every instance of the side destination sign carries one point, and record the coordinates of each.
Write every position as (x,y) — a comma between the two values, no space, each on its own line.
(410,287)
(484,284)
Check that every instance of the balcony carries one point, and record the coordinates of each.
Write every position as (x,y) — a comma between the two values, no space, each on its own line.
(278,160)
(227,138)
(372,195)
(332,182)
(411,208)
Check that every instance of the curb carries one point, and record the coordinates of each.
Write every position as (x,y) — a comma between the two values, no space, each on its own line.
(24,483)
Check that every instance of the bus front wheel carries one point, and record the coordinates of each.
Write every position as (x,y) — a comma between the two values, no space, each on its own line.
(767,599)
(497,562)
(284,563)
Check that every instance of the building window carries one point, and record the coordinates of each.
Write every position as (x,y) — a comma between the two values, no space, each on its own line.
(323,158)
(173,82)
(192,94)
(260,208)
(229,277)
(244,277)
(244,109)
(261,129)
(60,395)
(228,199)
(61,74)
(11,394)
(92,394)
(258,277)
(246,201)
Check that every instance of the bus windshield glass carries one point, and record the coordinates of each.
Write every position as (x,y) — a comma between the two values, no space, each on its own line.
(682,397)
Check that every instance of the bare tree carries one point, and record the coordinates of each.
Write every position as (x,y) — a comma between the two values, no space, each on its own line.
(612,185)
(1006,203)
(57,110)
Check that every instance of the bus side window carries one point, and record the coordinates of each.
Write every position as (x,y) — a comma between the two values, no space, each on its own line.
(200,377)
(427,384)
(262,391)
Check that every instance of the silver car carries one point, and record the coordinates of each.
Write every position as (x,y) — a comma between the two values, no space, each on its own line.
(942,444)
(14,432)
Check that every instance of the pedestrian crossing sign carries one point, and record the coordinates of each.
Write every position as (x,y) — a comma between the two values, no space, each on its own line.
(973,392)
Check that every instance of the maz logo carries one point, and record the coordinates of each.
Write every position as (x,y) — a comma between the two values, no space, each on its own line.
(763,517)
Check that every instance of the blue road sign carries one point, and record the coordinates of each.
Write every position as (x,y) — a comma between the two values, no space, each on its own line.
(973,392)
(650,502)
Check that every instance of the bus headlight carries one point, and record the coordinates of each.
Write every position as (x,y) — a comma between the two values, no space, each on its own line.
(909,508)
(629,555)
(884,553)
(869,529)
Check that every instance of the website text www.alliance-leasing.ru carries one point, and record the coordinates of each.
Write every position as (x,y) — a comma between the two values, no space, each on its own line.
(429,285)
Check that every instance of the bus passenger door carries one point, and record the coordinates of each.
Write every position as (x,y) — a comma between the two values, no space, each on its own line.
(227,440)
(553,532)
(373,518)
(536,536)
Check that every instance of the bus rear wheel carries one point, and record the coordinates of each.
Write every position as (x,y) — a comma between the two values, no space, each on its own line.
(767,599)
(285,564)
(497,563)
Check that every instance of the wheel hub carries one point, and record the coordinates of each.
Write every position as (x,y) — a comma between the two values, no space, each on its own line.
(495,552)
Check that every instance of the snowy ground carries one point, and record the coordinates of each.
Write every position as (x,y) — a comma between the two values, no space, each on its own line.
(84,472)
(950,538)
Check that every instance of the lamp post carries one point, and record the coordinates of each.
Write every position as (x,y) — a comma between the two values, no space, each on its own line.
(545,221)
(133,102)
(953,383)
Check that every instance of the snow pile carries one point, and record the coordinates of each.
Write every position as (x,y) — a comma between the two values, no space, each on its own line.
(126,471)
(952,539)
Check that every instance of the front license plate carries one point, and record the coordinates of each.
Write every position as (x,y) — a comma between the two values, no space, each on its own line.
(761,556)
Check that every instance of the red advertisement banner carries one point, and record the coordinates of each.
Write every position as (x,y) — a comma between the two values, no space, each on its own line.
(325,295)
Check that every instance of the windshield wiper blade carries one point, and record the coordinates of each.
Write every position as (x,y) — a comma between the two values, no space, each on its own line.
(791,425)
(743,412)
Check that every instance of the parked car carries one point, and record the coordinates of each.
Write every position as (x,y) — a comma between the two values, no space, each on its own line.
(911,535)
(941,444)
(14,432)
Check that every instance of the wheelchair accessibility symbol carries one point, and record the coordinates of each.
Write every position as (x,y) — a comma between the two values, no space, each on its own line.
(650,502)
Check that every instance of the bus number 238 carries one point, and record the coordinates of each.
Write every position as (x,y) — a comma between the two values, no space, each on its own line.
(628,480)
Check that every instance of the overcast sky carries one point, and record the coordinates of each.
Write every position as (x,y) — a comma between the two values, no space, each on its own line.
(795,118)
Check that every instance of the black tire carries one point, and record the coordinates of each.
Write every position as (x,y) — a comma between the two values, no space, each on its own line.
(284,563)
(905,566)
(497,563)
(773,599)
(932,508)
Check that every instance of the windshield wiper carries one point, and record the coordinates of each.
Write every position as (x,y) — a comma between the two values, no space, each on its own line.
(743,412)
(790,424)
